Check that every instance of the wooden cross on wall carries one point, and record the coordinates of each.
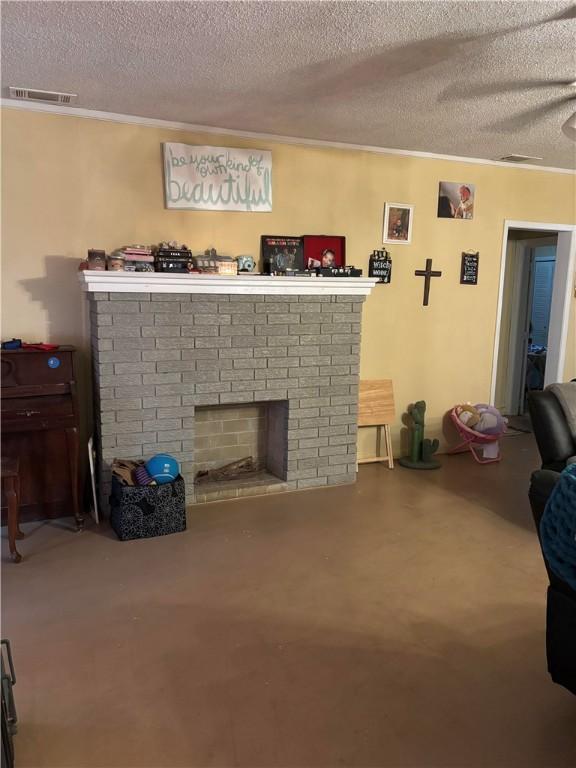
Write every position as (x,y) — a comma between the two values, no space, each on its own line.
(427,274)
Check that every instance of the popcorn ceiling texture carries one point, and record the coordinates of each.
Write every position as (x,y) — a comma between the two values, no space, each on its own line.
(475,79)
(157,357)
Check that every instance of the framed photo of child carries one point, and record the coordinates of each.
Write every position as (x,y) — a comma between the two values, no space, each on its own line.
(398,223)
(324,251)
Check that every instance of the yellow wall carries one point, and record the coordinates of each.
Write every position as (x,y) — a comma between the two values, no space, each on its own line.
(70,184)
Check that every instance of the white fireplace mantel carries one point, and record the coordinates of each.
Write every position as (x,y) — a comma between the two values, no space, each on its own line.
(258,285)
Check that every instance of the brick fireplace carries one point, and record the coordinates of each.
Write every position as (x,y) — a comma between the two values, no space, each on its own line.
(165,348)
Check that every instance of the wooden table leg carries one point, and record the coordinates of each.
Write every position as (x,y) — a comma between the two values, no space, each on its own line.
(12,501)
(73,450)
(389,446)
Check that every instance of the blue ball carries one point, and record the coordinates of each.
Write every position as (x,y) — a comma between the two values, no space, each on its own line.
(163,468)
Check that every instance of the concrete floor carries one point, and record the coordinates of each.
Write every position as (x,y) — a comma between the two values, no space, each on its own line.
(397,622)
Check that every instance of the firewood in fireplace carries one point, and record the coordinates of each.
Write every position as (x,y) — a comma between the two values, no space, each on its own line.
(230,471)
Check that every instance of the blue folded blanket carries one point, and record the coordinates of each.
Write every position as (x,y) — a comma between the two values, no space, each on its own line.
(558,527)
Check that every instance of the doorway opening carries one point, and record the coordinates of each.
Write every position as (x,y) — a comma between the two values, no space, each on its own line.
(526,306)
(534,305)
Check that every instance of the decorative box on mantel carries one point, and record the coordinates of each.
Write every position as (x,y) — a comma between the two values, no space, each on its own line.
(167,346)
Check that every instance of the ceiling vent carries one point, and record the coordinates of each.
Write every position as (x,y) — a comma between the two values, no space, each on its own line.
(518,158)
(53,97)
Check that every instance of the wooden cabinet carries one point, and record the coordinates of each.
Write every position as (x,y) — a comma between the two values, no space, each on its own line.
(40,427)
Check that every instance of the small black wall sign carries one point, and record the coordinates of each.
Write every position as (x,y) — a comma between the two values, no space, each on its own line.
(469,268)
(380,266)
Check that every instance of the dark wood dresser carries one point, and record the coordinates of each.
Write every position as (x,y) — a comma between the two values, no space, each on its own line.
(40,427)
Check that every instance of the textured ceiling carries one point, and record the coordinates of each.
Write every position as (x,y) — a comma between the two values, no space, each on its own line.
(479,79)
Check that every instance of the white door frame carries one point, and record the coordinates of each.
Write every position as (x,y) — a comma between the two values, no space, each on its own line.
(520,309)
(562,290)
(518,338)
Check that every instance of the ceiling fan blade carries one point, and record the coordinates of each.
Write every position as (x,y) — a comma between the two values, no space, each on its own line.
(533,115)
(465,90)
(566,15)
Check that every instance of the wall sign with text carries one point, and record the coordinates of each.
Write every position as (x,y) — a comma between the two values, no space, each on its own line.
(469,268)
(380,266)
(217,178)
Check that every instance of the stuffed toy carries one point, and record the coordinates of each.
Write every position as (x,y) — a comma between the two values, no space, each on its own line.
(491,421)
(468,415)
(488,423)
(482,418)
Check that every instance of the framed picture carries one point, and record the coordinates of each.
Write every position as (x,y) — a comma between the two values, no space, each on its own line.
(398,223)
(281,253)
(456,200)
(324,251)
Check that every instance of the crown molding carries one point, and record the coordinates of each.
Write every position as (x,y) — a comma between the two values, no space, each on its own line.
(114,117)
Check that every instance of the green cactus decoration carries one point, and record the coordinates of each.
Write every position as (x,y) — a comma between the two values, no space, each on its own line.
(429,448)
(421,450)
(417,412)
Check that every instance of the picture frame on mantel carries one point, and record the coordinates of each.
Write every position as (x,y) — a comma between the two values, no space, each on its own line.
(398,223)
